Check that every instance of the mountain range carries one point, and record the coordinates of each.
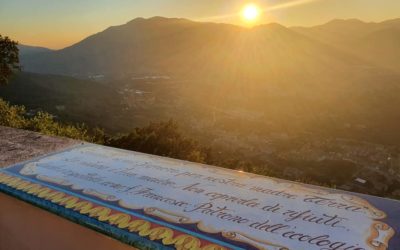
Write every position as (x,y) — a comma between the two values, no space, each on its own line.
(377,42)
(183,48)
(339,79)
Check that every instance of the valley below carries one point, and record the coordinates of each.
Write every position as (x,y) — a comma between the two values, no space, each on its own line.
(246,131)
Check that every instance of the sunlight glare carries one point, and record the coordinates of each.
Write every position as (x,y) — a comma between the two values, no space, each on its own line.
(250,12)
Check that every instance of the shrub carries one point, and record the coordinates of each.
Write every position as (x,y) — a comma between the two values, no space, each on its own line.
(163,139)
(15,116)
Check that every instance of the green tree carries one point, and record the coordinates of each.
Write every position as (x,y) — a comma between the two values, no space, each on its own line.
(163,139)
(9,59)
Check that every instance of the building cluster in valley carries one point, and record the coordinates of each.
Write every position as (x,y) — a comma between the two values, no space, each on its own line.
(342,163)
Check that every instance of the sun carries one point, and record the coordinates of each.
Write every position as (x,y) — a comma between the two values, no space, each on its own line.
(250,12)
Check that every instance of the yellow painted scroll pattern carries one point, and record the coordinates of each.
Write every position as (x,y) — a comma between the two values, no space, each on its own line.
(379,239)
(124,221)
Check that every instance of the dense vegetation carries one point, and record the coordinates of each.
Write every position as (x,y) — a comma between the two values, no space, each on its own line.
(162,138)
(16,117)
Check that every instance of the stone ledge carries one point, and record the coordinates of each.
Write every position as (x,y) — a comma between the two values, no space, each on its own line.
(18,145)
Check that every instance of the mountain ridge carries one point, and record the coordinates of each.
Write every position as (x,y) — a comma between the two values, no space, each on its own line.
(220,73)
(180,46)
(362,39)
(30,49)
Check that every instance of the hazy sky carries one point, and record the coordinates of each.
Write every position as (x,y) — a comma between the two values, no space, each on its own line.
(59,23)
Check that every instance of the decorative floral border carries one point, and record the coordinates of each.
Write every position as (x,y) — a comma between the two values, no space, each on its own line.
(141,227)
(380,233)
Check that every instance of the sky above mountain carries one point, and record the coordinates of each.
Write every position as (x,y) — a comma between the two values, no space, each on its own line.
(56,24)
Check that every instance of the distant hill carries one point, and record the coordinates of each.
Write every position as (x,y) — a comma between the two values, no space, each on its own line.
(376,42)
(26,50)
(70,99)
